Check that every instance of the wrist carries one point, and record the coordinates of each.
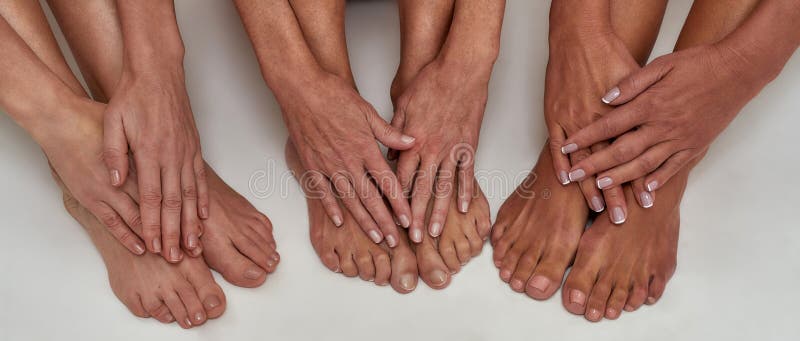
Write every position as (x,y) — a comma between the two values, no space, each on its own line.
(474,60)
(54,118)
(579,20)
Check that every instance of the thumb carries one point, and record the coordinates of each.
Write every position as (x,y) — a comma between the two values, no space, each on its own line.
(390,136)
(638,82)
(115,149)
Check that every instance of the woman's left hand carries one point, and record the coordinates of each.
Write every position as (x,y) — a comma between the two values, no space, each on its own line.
(669,113)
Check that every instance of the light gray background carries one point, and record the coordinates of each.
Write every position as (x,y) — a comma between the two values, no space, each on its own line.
(739,263)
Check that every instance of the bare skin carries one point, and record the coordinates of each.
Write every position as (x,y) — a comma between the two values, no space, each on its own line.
(236,239)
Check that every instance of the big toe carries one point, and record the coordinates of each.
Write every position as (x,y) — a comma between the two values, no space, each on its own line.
(432,269)
(234,266)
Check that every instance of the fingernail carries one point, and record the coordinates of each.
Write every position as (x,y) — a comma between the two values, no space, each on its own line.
(577,297)
(464,206)
(593,314)
(540,283)
(212,302)
(204,212)
(617,215)
(198,316)
(174,254)
(404,220)
(652,186)
(576,174)
(416,236)
(375,236)
(438,277)
(407,282)
(253,273)
(391,241)
(188,322)
(604,182)
(563,177)
(611,95)
(407,139)
(597,204)
(628,307)
(156,244)
(192,241)
(115,178)
(569,148)
(337,220)
(436,228)
(138,248)
(647,199)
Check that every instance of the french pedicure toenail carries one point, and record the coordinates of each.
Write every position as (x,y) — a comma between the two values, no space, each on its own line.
(438,277)
(576,174)
(577,297)
(651,300)
(407,282)
(617,215)
(212,302)
(436,228)
(198,316)
(611,95)
(404,221)
(375,236)
(597,204)
(647,199)
(253,273)
(569,148)
(540,283)
(563,177)
(652,186)
(604,182)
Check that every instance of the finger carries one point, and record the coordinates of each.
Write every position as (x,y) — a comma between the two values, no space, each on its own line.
(624,149)
(611,125)
(115,148)
(398,122)
(465,158)
(373,201)
(406,169)
(171,214)
(561,163)
(353,204)
(638,167)
(423,187)
(190,221)
(149,175)
(614,196)
(637,82)
(645,198)
(203,201)
(389,136)
(666,171)
(593,196)
(127,208)
(316,186)
(117,227)
(443,193)
(390,188)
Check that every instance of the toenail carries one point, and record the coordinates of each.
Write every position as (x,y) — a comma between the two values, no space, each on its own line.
(516,284)
(617,215)
(647,199)
(253,273)
(375,236)
(577,297)
(604,182)
(404,220)
(498,263)
(436,228)
(391,241)
(188,322)
(505,275)
(576,174)
(540,283)
(593,314)
(169,318)
(629,307)
(407,282)
(198,316)
(175,254)
(276,257)
(438,277)
(212,302)
(612,313)
(192,241)
(651,300)
(597,204)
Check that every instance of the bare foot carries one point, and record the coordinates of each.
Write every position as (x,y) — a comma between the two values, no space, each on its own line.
(348,250)
(462,239)
(237,239)
(537,231)
(147,284)
(623,266)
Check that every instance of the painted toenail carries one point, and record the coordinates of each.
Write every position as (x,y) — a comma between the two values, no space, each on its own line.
(498,263)
(156,244)
(629,307)
(617,215)
(540,283)
(438,277)
(212,302)
(198,316)
(375,236)
(192,241)
(436,228)
(253,273)
(576,174)
(647,199)
(404,221)
(593,314)
(563,177)
(569,148)
(651,300)
(652,186)
(174,254)
(138,248)
(612,313)
(597,204)
(505,275)
(604,182)
(407,282)
(516,284)
(577,297)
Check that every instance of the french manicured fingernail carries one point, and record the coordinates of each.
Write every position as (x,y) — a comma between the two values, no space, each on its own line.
(193,240)
(597,204)
(115,178)
(652,186)
(563,177)
(540,283)
(604,182)
(464,206)
(569,148)
(576,174)
(157,244)
(391,241)
(212,302)
(416,236)
(436,228)
(253,273)
(647,199)
(138,248)
(611,95)
(577,297)
(404,220)
(617,215)
(174,254)
(375,236)
(337,220)
(204,212)
(407,139)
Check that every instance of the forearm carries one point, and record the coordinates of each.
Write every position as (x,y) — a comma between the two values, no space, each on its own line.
(150,35)
(580,19)
(474,37)
(281,49)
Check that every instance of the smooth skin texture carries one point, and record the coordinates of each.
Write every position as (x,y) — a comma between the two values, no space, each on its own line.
(236,240)
(333,128)
(150,115)
(656,126)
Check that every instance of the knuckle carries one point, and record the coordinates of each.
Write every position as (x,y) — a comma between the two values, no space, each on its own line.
(647,165)
(110,219)
(190,192)
(172,202)
(621,154)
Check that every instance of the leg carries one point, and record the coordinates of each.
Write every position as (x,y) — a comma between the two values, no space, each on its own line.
(238,241)
(625,266)
(539,227)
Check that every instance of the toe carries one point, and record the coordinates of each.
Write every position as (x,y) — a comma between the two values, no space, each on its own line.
(637,297)
(432,268)
(347,264)
(234,266)
(548,275)
(177,309)
(616,302)
(509,263)
(330,260)
(463,250)
(524,270)
(366,268)
(258,255)
(194,308)
(576,290)
(383,267)
(475,242)
(596,304)
(502,246)
(157,309)
(404,270)
(657,286)
(209,293)
(449,255)
(134,304)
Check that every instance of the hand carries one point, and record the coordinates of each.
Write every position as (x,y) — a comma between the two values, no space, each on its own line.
(669,113)
(580,68)
(334,131)
(443,108)
(150,115)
